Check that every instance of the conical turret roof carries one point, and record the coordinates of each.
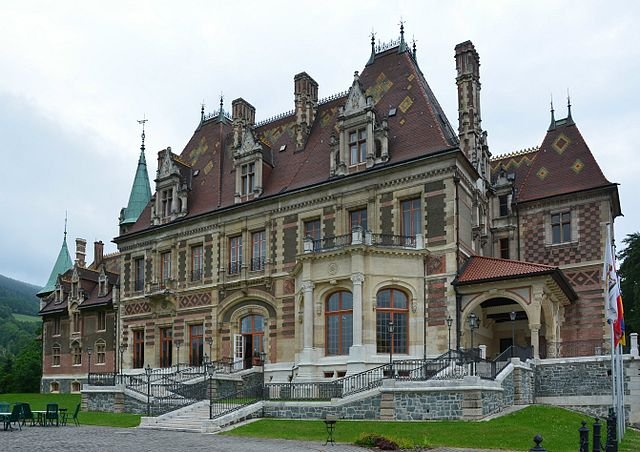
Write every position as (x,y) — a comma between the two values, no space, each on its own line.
(140,193)
(63,263)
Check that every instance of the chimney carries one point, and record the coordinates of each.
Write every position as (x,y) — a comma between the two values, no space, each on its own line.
(243,115)
(305,91)
(472,139)
(81,252)
(98,253)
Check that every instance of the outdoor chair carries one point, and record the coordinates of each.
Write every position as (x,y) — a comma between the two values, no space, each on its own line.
(5,407)
(74,417)
(27,415)
(14,417)
(52,414)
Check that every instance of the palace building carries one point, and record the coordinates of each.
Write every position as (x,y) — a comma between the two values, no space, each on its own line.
(360,228)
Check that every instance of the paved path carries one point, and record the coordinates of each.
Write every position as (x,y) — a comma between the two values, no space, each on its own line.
(103,439)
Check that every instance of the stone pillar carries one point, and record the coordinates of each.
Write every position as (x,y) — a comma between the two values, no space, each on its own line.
(535,339)
(307,287)
(483,351)
(357,279)
(634,344)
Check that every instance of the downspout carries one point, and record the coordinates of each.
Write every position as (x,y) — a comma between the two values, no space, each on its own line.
(424,309)
(514,206)
(456,181)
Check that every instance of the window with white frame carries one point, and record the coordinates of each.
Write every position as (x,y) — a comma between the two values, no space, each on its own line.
(561,227)
(247,178)
(258,250)
(235,254)
(55,355)
(76,354)
(358,146)
(101,352)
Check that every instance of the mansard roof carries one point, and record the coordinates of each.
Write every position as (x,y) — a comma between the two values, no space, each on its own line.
(481,269)
(392,79)
(562,164)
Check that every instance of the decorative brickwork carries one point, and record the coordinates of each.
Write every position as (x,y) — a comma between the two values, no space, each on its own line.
(193,300)
(140,307)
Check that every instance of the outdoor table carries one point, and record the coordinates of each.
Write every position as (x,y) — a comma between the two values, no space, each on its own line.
(41,414)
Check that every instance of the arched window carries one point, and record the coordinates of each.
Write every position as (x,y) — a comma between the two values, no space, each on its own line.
(54,386)
(339,323)
(75,386)
(392,305)
(101,351)
(76,354)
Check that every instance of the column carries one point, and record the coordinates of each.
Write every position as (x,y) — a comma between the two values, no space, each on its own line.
(357,279)
(535,339)
(307,287)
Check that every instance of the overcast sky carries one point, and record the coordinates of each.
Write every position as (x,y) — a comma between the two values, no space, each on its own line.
(77,75)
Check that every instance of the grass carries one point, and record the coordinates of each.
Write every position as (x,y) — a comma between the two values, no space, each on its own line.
(69,401)
(27,318)
(557,426)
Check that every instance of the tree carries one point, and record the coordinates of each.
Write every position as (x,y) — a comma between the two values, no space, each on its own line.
(630,282)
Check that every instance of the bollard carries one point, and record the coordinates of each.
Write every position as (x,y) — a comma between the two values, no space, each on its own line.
(538,448)
(584,437)
(612,433)
(596,435)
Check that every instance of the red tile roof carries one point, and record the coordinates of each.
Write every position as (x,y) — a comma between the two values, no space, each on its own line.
(419,128)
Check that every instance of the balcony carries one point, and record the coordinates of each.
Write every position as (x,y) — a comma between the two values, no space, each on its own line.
(258,264)
(160,289)
(362,237)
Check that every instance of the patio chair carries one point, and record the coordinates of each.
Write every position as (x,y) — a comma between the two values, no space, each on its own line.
(14,417)
(52,414)
(5,407)
(27,415)
(74,417)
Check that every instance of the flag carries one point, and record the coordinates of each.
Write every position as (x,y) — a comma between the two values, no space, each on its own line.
(610,280)
(618,324)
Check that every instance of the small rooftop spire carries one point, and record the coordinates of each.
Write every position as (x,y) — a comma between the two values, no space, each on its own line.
(373,47)
(65,226)
(221,111)
(569,118)
(552,126)
(403,46)
(414,47)
(142,121)
(202,111)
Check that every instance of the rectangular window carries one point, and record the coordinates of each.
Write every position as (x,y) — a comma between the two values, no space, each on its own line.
(196,339)
(358,146)
(76,355)
(247,179)
(166,346)
(102,321)
(312,229)
(258,250)
(358,218)
(504,205)
(235,254)
(411,212)
(138,265)
(138,349)
(196,263)
(166,202)
(55,355)
(561,227)
(101,353)
(77,326)
(165,268)
(55,329)
(504,248)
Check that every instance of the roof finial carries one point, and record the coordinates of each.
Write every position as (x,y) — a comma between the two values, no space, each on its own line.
(403,46)
(373,48)
(202,111)
(221,111)
(553,119)
(142,121)
(569,118)
(414,47)
(65,225)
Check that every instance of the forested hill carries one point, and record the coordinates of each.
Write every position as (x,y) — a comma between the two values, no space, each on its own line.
(19,296)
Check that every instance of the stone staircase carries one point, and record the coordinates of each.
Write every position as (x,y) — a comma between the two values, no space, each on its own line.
(192,418)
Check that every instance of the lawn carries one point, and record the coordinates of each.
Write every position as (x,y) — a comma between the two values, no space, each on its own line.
(69,401)
(558,427)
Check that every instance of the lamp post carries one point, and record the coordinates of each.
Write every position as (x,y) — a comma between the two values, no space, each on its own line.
(89,351)
(122,348)
(391,331)
(512,316)
(147,371)
(449,323)
(473,325)
(178,344)
(263,360)
(210,342)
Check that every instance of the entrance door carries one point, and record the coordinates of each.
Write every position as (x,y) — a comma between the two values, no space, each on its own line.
(252,329)
(238,352)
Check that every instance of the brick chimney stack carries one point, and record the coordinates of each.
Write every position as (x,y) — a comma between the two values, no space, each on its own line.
(98,253)
(243,115)
(306,106)
(81,252)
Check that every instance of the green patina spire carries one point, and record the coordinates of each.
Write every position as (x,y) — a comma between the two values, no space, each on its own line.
(140,191)
(63,263)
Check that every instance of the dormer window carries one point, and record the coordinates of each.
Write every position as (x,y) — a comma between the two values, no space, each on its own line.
(248,178)
(173,183)
(166,199)
(102,285)
(358,146)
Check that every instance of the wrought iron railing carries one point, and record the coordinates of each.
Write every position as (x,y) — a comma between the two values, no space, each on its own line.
(196,275)
(302,391)
(330,243)
(102,379)
(257,264)
(235,400)
(234,267)
(363,381)
(393,240)
(571,349)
